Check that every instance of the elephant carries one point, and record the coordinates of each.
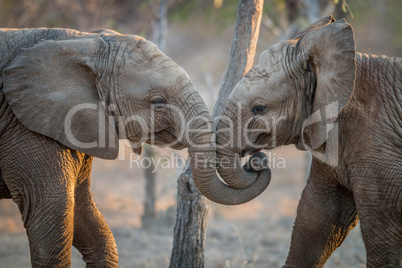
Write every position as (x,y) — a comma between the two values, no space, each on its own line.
(68,96)
(316,92)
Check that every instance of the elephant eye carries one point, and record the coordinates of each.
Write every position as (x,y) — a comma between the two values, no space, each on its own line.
(158,103)
(259,109)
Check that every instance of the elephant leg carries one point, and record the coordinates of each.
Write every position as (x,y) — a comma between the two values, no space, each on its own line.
(40,174)
(4,191)
(92,236)
(325,215)
(380,216)
(48,213)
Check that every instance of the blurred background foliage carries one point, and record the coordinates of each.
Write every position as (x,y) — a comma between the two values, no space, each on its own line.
(379,19)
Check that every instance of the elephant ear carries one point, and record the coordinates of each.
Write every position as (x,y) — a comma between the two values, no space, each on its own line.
(52,89)
(330,52)
(318,24)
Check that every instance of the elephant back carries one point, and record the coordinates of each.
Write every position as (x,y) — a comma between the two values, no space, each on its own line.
(12,40)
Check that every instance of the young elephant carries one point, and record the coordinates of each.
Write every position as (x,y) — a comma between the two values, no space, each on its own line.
(316,92)
(66,96)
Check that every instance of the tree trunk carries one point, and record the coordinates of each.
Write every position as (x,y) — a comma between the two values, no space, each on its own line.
(159,26)
(309,9)
(242,49)
(297,11)
(149,215)
(191,224)
(192,207)
(312,9)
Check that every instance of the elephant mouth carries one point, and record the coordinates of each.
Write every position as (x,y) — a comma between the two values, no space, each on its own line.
(165,138)
(262,141)
(250,151)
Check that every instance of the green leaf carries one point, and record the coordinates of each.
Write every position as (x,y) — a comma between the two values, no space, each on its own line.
(344,8)
(336,2)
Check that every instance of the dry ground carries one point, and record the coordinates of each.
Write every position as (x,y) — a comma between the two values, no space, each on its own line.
(256,234)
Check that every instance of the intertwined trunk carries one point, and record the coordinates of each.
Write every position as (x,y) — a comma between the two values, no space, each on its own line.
(192,208)
(230,142)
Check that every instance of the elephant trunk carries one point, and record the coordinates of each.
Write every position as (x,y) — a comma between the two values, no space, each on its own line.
(229,153)
(203,161)
(231,170)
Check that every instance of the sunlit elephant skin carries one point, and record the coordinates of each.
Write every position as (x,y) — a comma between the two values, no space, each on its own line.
(345,108)
(67,96)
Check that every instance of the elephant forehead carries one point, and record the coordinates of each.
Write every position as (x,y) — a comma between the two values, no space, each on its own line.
(241,93)
(145,79)
(273,87)
(170,74)
(132,38)
(270,59)
(136,42)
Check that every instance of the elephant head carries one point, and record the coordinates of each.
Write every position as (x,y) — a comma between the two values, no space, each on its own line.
(88,90)
(292,96)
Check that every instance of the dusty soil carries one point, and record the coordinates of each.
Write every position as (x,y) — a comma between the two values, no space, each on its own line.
(256,234)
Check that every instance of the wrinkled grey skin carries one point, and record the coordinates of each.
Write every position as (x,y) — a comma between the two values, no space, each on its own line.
(361,178)
(48,73)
